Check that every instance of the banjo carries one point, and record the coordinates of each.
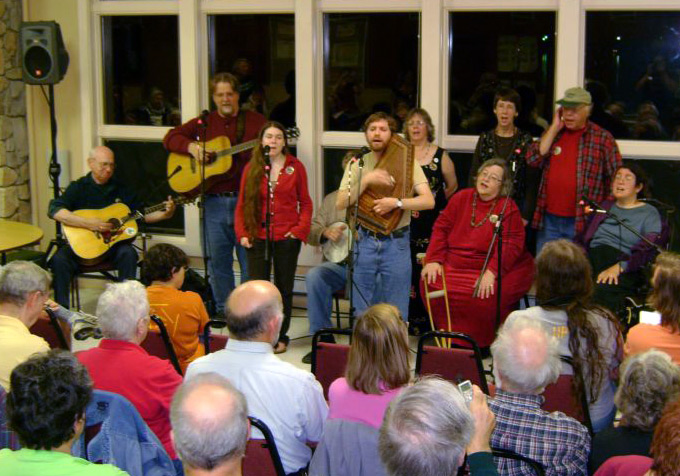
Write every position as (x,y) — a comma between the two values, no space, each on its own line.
(337,251)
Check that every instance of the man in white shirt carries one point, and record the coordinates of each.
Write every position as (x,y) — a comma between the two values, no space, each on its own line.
(287,399)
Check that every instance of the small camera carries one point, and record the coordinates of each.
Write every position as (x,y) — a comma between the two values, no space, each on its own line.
(465,388)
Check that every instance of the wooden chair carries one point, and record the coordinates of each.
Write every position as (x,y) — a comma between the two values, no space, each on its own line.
(560,397)
(50,329)
(160,345)
(214,342)
(328,359)
(262,456)
(460,358)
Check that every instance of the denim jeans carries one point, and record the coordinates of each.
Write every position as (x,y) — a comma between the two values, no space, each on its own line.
(554,228)
(322,281)
(387,260)
(221,240)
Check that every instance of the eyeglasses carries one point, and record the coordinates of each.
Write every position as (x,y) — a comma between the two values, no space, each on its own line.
(487,175)
(415,123)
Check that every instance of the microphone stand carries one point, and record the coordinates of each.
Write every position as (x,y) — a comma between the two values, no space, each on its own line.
(267,216)
(202,137)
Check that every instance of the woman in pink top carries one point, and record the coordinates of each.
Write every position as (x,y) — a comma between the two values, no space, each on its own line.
(665,298)
(377,367)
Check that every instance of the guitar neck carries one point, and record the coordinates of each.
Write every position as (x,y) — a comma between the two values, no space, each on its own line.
(154,208)
(237,148)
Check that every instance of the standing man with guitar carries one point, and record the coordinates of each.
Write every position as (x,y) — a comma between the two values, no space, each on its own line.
(96,190)
(232,126)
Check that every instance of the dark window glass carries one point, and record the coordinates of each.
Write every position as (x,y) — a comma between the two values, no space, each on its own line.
(462,162)
(142,167)
(332,168)
(370,64)
(489,50)
(260,51)
(141,70)
(633,72)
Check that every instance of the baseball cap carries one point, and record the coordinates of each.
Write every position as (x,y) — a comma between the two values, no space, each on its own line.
(575,96)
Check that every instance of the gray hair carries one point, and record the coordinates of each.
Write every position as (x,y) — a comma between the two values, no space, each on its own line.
(20,278)
(510,359)
(253,324)
(506,184)
(648,381)
(120,307)
(202,441)
(425,430)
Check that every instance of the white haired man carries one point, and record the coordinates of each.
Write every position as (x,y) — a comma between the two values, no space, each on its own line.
(24,289)
(525,360)
(417,437)
(210,426)
(287,399)
(121,366)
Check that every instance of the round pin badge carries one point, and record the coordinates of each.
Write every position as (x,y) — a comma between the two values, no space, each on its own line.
(290,170)
(557,150)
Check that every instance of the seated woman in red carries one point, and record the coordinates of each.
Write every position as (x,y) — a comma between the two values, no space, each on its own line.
(458,247)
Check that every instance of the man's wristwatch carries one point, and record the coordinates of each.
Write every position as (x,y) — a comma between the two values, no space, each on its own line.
(400,204)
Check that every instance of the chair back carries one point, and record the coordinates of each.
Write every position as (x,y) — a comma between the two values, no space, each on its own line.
(50,330)
(262,456)
(460,360)
(329,360)
(160,345)
(536,467)
(560,397)
(214,342)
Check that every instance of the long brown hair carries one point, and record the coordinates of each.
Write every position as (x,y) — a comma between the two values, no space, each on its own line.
(378,356)
(564,282)
(252,201)
(665,296)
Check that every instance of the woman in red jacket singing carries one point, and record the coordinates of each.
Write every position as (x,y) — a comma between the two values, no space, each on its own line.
(290,212)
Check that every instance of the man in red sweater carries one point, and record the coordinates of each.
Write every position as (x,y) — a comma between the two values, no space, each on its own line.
(221,190)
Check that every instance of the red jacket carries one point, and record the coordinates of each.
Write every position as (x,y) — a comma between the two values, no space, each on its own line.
(291,207)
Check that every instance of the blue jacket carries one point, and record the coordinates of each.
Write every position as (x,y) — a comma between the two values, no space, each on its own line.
(123,440)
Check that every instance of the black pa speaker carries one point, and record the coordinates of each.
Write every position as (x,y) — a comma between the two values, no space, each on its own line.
(44,59)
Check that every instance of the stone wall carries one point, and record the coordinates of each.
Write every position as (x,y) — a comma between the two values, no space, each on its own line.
(15,197)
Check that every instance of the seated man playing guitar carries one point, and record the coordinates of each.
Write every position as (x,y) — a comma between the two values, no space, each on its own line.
(94,191)
(222,173)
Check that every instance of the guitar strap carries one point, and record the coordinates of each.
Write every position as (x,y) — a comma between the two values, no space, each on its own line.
(240,126)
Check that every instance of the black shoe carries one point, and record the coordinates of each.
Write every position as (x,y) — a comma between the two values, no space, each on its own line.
(307,359)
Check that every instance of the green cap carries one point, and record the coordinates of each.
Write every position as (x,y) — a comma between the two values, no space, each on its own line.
(574,97)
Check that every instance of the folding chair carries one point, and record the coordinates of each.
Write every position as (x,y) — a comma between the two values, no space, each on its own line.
(454,361)
(328,359)
(535,466)
(101,270)
(441,293)
(560,397)
(214,342)
(262,456)
(336,299)
(159,344)
(50,330)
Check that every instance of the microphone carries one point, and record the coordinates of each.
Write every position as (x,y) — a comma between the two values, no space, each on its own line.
(203,118)
(590,206)
(265,151)
(360,155)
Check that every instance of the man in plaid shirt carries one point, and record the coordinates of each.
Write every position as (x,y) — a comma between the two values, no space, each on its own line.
(526,360)
(578,158)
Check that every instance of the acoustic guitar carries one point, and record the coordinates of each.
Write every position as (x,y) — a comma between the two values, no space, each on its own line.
(90,245)
(185,171)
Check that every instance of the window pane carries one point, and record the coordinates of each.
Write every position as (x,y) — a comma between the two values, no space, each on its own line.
(462,162)
(370,64)
(142,167)
(633,71)
(332,168)
(141,70)
(260,51)
(488,50)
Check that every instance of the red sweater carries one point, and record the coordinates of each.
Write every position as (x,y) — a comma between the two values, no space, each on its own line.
(291,206)
(179,138)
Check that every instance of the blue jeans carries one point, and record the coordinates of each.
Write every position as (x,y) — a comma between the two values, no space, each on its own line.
(221,240)
(321,282)
(387,260)
(554,228)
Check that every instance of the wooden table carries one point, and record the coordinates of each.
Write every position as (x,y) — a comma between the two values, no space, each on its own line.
(14,234)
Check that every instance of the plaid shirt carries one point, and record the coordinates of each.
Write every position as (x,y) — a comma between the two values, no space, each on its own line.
(598,159)
(560,443)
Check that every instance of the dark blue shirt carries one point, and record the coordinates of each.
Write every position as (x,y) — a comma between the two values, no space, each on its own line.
(85,193)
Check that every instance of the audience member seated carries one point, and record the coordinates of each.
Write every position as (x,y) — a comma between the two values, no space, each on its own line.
(210,426)
(587,333)
(121,366)
(665,451)
(287,399)
(526,359)
(24,289)
(665,298)
(617,255)
(46,408)
(648,382)
(458,246)
(377,370)
(182,312)
(428,428)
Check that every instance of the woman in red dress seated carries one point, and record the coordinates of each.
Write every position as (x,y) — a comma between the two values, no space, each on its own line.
(458,246)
